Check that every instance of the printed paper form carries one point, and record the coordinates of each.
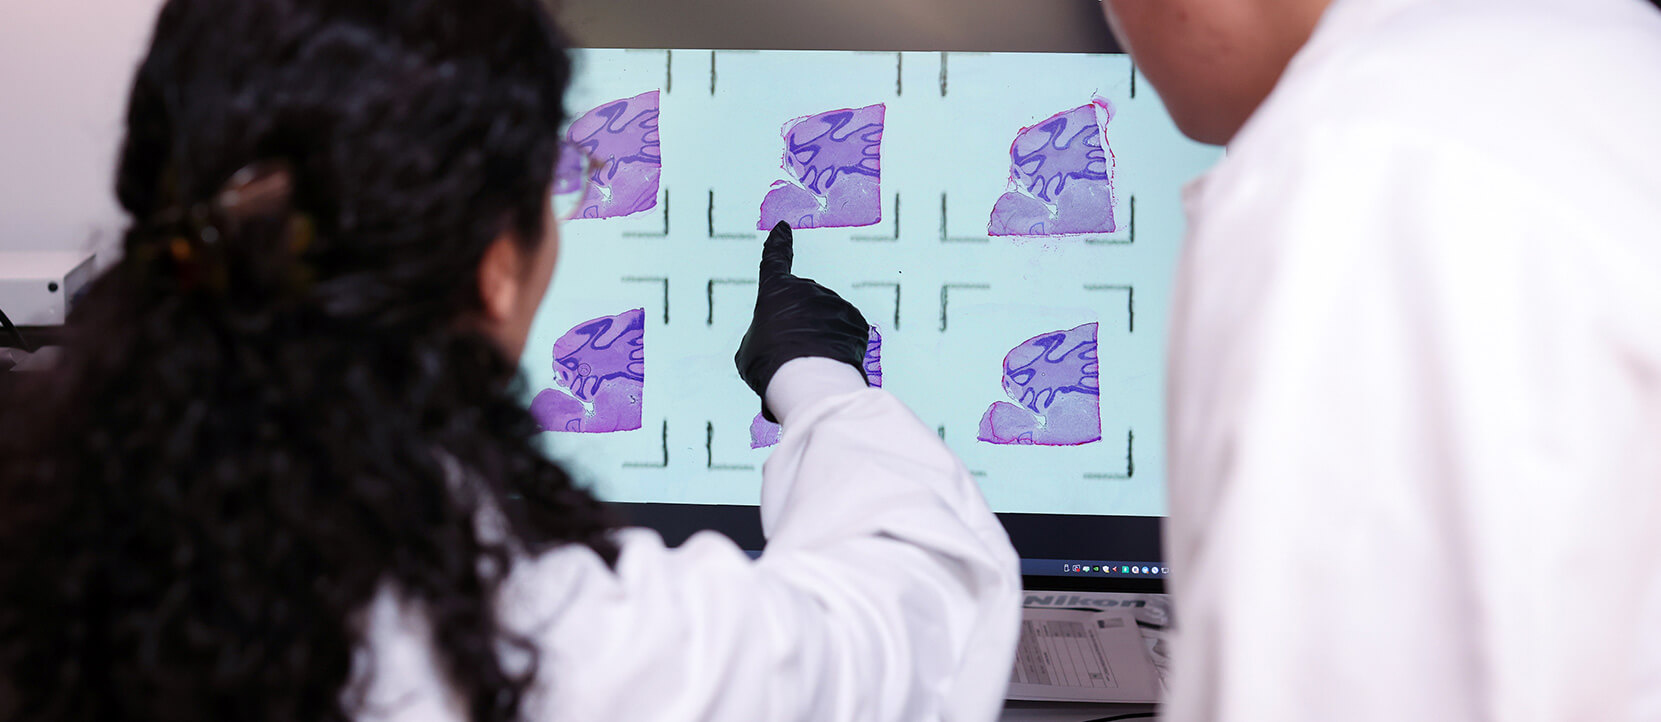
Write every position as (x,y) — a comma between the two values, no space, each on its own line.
(1075,655)
(1152,613)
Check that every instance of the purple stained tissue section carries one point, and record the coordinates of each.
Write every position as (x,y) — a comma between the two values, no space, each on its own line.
(766,433)
(621,137)
(600,370)
(1053,380)
(1060,177)
(834,161)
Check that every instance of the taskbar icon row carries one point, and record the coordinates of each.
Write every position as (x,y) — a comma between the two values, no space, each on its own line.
(1072,567)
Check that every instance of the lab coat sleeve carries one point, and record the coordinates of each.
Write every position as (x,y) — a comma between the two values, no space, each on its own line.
(1384,459)
(888,590)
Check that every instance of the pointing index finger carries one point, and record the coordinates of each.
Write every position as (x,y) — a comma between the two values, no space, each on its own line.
(779,251)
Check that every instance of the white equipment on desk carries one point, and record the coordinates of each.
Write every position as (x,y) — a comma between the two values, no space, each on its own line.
(38,288)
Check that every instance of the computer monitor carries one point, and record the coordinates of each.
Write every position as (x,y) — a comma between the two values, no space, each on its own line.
(1021,189)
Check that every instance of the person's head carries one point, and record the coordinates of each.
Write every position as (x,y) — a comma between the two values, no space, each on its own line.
(1212,61)
(296,387)
(420,139)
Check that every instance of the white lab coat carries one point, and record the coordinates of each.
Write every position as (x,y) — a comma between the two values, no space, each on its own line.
(1415,376)
(888,591)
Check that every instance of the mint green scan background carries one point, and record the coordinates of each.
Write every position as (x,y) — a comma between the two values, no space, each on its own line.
(950,300)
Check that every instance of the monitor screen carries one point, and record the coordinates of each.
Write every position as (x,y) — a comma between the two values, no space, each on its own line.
(1008,222)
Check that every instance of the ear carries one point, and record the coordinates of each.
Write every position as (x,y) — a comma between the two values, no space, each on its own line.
(501,278)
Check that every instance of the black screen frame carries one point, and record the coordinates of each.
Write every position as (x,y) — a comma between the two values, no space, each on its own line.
(1035,536)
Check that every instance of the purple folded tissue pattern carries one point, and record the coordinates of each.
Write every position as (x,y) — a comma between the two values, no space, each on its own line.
(623,136)
(834,162)
(1060,177)
(765,433)
(1054,381)
(600,372)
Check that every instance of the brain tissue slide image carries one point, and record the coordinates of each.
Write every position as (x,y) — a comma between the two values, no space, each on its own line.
(616,147)
(600,368)
(1060,177)
(1053,380)
(833,163)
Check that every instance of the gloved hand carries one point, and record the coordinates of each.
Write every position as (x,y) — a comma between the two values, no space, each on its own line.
(795,318)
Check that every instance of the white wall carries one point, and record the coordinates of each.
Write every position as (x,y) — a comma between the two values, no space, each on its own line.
(65,67)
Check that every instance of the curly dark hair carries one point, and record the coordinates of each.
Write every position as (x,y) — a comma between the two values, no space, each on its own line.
(263,418)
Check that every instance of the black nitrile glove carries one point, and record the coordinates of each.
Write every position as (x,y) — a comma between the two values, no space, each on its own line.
(795,318)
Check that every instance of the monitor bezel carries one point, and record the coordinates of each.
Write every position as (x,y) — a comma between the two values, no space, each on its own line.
(1035,536)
